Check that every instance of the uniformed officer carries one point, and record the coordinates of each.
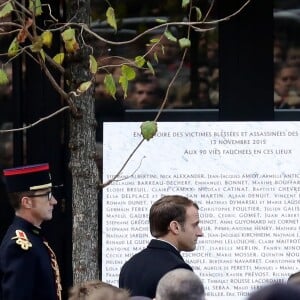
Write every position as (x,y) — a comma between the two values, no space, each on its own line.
(28,266)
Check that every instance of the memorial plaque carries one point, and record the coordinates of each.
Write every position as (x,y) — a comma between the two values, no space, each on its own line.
(245,177)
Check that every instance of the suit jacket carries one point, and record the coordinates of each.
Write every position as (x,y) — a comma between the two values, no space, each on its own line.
(25,272)
(140,275)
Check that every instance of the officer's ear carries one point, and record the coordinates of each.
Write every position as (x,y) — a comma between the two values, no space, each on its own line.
(174,227)
(26,202)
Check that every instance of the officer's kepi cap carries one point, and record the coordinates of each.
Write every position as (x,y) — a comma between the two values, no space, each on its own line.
(28,178)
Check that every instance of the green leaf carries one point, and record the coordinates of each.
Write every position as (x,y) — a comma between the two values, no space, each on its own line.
(93,65)
(35,6)
(154,41)
(68,34)
(42,52)
(139,61)
(124,84)
(3,77)
(37,44)
(47,37)
(170,36)
(150,67)
(128,72)
(198,13)
(6,10)
(185,3)
(84,86)
(13,48)
(69,39)
(59,58)
(110,85)
(155,57)
(161,20)
(184,43)
(110,18)
(148,129)
(71,46)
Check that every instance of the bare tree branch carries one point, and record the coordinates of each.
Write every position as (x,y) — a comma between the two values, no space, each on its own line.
(35,123)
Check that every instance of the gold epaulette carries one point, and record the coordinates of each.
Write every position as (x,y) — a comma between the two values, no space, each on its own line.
(22,240)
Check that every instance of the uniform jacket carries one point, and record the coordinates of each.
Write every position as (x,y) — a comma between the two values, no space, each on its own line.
(25,274)
(142,272)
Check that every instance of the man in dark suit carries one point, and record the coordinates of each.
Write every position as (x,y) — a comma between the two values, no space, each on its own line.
(28,266)
(174,222)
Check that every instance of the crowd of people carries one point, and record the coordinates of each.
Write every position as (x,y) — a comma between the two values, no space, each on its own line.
(202,91)
(165,57)
(29,268)
(286,76)
(177,284)
(286,93)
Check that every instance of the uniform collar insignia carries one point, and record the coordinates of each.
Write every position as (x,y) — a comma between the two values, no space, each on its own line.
(36,231)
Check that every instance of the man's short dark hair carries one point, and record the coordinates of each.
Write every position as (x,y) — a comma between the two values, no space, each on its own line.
(167,209)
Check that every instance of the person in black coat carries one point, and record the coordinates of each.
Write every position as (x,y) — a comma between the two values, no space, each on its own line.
(28,266)
(174,222)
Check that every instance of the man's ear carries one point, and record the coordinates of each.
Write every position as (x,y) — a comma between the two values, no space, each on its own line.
(174,227)
(26,202)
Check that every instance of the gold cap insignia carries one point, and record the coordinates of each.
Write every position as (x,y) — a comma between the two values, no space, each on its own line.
(22,240)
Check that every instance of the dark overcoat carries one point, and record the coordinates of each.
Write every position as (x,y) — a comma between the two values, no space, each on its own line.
(25,264)
(141,273)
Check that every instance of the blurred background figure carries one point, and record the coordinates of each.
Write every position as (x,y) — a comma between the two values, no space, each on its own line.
(286,94)
(6,147)
(97,290)
(209,48)
(185,99)
(214,87)
(278,54)
(293,55)
(144,93)
(165,57)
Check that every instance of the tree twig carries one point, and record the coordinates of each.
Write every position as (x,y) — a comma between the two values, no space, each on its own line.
(35,123)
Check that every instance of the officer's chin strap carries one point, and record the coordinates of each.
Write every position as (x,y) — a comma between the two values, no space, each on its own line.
(55,268)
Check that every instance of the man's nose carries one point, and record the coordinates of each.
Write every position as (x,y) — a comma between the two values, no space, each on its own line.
(53,200)
(200,232)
